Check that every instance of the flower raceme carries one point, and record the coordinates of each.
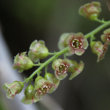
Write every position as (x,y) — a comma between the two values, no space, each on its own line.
(76,42)
(69,44)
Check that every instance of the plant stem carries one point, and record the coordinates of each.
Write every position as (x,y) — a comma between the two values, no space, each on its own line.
(52,53)
(100,21)
(46,63)
(107,23)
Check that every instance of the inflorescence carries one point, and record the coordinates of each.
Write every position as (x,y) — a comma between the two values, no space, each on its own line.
(69,44)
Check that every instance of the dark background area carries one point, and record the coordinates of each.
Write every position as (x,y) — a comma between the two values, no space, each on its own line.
(23,21)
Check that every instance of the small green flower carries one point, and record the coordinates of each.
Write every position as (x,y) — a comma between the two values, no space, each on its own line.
(77,44)
(38,50)
(22,62)
(76,69)
(42,86)
(50,77)
(13,88)
(106,36)
(61,68)
(99,49)
(90,10)
(29,97)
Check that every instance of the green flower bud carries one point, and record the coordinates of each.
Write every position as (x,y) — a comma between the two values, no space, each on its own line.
(29,91)
(106,36)
(22,62)
(42,86)
(99,49)
(29,97)
(13,88)
(90,10)
(50,77)
(38,50)
(61,68)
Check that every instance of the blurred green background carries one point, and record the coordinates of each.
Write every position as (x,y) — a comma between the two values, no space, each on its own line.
(26,20)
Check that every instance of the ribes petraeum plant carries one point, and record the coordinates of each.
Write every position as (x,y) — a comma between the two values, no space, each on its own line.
(69,44)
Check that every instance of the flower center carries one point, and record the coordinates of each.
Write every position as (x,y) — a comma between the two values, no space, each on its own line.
(44,89)
(61,68)
(108,38)
(76,43)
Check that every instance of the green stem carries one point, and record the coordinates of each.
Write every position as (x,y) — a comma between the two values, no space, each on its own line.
(52,53)
(46,63)
(98,29)
(100,21)
(37,64)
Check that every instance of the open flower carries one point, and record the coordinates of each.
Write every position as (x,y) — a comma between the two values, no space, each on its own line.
(50,77)
(99,49)
(77,44)
(106,36)
(13,88)
(61,68)
(42,86)
(22,62)
(38,50)
(29,97)
(90,10)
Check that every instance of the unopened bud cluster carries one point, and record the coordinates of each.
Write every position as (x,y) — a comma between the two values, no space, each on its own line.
(69,44)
